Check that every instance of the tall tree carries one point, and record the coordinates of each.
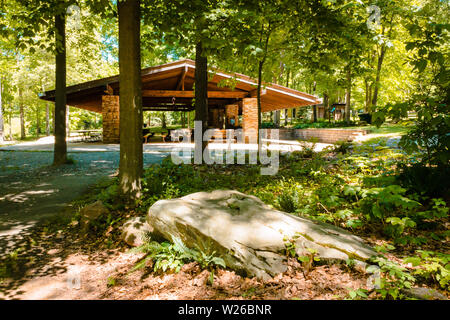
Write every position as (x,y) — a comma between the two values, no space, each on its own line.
(60,151)
(201,89)
(1,109)
(131,119)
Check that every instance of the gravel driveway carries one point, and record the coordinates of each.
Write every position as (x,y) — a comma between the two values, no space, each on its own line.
(30,189)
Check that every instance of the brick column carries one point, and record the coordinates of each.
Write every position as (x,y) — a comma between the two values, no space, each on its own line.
(111,120)
(232,112)
(250,118)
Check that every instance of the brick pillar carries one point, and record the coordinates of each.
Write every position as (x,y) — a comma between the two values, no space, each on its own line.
(111,120)
(250,118)
(232,112)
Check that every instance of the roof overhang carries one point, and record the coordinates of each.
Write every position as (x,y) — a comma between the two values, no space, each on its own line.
(170,85)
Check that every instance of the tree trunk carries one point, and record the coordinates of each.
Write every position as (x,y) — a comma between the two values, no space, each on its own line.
(38,123)
(258,98)
(377,79)
(348,94)
(163,120)
(67,121)
(189,119)
(380,63)
(10,128)
(326,109)
(53,120)
(368,100)
(47,119)
(276,117)
(286,112)
(314,106)
(22,116)
(201,91)
(1,111)
(60,152)
(131,117)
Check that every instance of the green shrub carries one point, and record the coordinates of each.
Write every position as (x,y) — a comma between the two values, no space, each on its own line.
(168,256)
(432,266)
(288,201)
(380,203)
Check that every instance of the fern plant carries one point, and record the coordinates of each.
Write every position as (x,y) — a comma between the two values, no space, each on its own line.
(172,256)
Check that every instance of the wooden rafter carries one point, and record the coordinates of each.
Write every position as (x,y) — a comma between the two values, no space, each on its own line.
(191,94)
(254,93)
(180,84)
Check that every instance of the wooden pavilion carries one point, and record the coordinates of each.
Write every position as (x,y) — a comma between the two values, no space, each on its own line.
(169,87)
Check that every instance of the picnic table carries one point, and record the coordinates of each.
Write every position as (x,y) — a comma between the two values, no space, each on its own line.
(87,135)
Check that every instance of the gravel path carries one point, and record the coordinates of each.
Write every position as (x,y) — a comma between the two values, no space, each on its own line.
(30,189)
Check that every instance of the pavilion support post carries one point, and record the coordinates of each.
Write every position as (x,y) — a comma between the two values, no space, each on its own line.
(232,112)
(250,119)
(111,119)
(189,119)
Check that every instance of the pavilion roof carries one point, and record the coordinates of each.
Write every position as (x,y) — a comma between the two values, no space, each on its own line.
(169,87)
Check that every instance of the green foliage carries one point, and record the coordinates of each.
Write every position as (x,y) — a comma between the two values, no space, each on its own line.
(165,256)
(398,225)
(307,260)
(432,266)
(288,201)
(358,294)
(393,278)
(379,203)
(168,256)
(424,180)
(343,146)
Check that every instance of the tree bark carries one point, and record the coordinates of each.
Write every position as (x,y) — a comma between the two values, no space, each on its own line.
(22,116)
(348,95)
(314,106)
(377,78)
(67,121)
(380,63)
(60,151)
(1,111)
(368,89)
(47,119)
(258,98)
(38,122)
(10,128)
(163,120)
(131,114)
(201,91)
(326,109)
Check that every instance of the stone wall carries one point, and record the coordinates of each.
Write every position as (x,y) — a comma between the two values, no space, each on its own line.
(328,135)
(283,134)
(111,119)
(322,135)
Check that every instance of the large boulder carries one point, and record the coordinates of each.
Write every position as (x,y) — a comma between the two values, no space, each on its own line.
(135,231)
(249,235)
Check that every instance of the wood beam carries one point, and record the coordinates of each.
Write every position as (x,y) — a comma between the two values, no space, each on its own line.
(190,94)
(254,93)
(109,90)
(180,84)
